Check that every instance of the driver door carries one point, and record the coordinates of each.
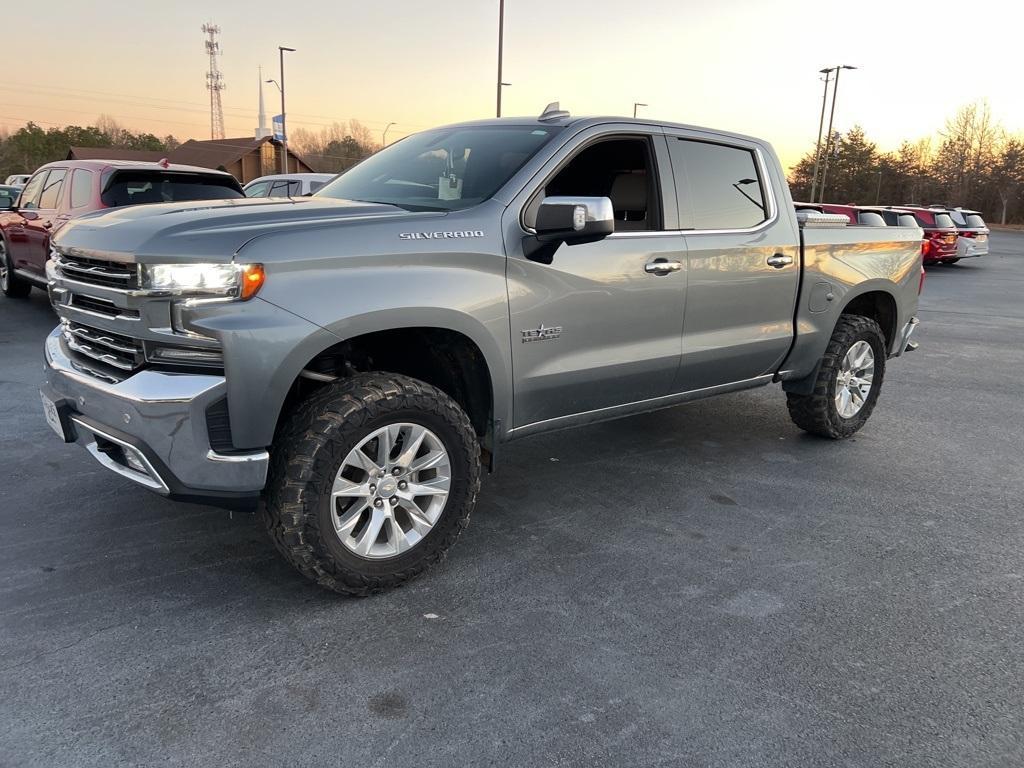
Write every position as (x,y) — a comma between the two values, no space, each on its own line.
(601,324)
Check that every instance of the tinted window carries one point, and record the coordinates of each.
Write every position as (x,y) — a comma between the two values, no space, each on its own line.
(30,194)
(958,218)
(257,190)
(51,189)
(447,169)
(975,221)
(870,219)
(315,185)
(943,220)
(719,187)
(81,188)
(138,187)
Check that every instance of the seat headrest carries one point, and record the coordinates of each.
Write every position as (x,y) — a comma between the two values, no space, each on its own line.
(629,192)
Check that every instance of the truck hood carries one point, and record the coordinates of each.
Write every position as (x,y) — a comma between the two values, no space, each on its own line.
(211,231)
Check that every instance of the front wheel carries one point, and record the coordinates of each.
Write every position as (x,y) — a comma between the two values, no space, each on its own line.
(848,382)
(373,481)
(10,284)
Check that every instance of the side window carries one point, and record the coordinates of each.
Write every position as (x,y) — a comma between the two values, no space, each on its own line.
(294,188)
(719,186)
(315,185)
(282,188)
(51,189)
(81,188)
(257,190)
(619,169)
(907,220)
(30,194)
(870,219)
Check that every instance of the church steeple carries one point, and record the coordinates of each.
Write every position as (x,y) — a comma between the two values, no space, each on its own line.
(262,129)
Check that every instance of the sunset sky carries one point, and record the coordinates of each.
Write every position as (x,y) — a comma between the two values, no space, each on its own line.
(732,64)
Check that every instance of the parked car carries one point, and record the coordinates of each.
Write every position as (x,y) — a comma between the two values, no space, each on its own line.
(373,345)
(972,233)
(940,234)
(858,215)
(8,196)
(18,179)
(893,218)
(287,184)
(61,191)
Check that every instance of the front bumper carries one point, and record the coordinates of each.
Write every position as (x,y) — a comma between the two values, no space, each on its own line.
(151,428)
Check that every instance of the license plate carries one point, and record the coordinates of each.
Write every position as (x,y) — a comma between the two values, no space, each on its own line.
(52,416)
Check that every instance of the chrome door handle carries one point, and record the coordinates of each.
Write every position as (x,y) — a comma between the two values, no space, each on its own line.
(779,261)
(662,267)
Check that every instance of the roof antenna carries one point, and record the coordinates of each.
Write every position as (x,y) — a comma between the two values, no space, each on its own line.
(553,111)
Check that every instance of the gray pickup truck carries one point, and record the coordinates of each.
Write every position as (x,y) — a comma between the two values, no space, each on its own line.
(352,359)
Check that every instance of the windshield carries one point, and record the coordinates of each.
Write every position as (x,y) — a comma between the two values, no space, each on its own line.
(443,170)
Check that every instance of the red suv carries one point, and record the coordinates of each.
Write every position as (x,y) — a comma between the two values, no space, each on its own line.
(855,213)
(61,191)
(939,233)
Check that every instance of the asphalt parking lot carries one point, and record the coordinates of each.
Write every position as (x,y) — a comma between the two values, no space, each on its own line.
(705,586)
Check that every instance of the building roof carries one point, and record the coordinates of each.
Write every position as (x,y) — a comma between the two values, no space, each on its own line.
(215,152)
(113,153)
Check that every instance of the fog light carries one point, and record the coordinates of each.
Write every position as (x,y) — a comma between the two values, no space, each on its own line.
(132,457)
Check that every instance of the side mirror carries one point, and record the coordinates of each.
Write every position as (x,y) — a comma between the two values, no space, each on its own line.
(7,203)
(574,219)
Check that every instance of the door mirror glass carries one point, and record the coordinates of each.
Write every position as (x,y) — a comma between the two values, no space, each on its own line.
(6,202)
(575,219)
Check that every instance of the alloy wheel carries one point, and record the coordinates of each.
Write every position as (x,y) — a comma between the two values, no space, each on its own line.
(854,380)
(390,490)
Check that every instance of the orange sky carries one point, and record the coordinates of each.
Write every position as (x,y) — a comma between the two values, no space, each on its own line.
(734,64)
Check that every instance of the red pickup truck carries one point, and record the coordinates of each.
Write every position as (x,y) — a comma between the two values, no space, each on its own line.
(60,191)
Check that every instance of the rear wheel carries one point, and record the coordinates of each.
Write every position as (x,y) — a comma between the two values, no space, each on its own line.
(374,480)
(10,284)
(848,381)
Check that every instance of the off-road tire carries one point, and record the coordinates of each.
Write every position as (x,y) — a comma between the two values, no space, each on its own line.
(816,413)
(309,451)
(11,285)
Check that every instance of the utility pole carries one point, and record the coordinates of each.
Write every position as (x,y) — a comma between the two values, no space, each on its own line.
(828,138)
(384,139)
(214,81)
(501,42)
(821,124)
(635,105)
(284,131)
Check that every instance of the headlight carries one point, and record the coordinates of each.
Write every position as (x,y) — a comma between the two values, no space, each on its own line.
(241,281)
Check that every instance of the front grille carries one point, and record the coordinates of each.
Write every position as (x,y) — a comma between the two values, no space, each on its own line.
(218,426)
(110,274)
(105,352)
(100,306)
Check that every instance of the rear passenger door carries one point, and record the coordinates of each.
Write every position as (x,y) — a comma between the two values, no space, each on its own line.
(743,261)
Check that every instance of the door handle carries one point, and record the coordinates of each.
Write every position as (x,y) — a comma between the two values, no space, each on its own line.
(779,261)
(662,267)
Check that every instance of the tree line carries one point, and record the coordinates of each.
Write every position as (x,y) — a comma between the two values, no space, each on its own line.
(973,163)
(31,146)
(335,148)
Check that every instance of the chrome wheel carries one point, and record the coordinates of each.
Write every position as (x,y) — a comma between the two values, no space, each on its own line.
(390,490)
(853,382)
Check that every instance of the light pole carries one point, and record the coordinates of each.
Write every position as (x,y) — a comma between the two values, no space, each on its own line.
(284,132)
(635,105)
(828,138)
(501,42)
(821,124)
(384,139)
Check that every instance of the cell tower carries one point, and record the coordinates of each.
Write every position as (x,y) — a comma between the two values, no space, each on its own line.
(214,82)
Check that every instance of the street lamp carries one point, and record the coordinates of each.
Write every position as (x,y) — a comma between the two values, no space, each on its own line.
(821,125)
(384,139)
(284,133)
(501,42)
(637,104)
(828,137)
